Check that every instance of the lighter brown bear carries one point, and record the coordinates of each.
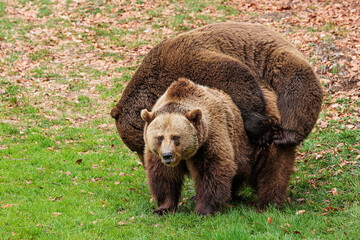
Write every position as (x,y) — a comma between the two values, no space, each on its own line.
(239,59)
(198,131)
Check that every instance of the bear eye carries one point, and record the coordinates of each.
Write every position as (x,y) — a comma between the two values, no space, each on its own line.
(160,138)
(175,138)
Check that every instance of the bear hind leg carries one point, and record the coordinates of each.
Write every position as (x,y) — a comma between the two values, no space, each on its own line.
(273,174)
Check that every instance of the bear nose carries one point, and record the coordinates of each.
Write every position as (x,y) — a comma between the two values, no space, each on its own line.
(167,157)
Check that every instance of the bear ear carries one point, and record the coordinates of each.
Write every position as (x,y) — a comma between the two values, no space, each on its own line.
(147,116)
(194,115)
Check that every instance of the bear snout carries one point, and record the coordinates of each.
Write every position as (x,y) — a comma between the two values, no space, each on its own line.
(167,157)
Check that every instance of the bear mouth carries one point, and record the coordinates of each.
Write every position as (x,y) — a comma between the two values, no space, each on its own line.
(170,160)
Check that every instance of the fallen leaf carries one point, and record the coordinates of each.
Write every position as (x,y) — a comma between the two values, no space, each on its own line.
(56,214)
(78,161)
(283,8)
(7,205)
(284,229)
(54,199)
(269,220)
(121,223)
(343,163)
(300,212)
(334,191)
(75,180)
(323,124)
(337,172)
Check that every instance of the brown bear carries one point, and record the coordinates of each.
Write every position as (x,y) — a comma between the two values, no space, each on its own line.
(239,59)
(197,131)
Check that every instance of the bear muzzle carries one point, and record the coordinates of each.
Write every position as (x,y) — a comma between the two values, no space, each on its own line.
(170,159)
(167,157)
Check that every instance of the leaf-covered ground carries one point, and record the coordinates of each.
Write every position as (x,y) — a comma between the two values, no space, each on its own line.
(64,172)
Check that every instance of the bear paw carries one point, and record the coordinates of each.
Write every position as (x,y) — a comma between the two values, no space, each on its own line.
(287,137)
(258,129)
(162,211)
(206,211)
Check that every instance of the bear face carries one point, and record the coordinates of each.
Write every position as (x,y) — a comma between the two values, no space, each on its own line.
(172,137)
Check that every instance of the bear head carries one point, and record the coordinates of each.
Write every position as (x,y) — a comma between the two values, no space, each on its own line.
(172,136)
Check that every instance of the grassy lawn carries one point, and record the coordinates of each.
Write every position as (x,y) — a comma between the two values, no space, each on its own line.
(64,171)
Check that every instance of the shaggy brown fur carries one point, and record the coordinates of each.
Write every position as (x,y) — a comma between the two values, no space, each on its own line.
(240,59)
(202,131)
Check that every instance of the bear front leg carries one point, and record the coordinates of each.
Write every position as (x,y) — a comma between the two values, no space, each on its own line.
(273,173)
(165,183)
(213,180)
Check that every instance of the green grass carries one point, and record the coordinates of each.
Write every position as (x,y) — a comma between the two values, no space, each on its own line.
(64,171)
(40,178)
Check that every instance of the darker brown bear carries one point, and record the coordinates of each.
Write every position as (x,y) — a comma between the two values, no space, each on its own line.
(240,59)
(198,131)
